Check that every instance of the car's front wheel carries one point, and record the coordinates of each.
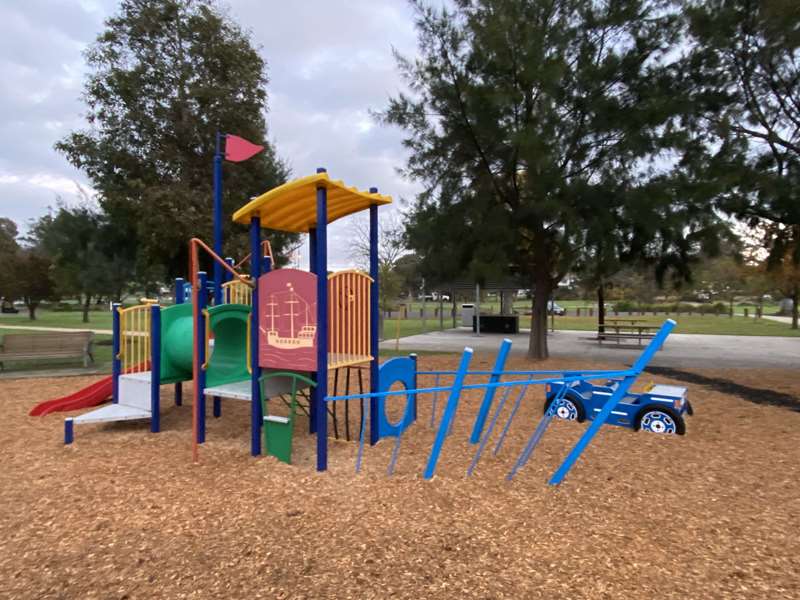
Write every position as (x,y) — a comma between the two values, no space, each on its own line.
(660,421)
(568,409)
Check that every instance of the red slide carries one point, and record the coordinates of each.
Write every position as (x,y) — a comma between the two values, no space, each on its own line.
(95,394)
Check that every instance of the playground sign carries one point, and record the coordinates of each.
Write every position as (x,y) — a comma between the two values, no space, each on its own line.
(287,306)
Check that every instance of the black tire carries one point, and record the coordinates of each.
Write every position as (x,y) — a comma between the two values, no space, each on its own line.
(576,402)
(654,409)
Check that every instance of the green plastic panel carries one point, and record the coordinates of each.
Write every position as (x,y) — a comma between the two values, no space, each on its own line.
(228,362)
(176,343)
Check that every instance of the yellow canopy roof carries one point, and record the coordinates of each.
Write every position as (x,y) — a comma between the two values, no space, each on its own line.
(293,205)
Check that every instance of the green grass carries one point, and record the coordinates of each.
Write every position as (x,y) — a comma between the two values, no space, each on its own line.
(47,318)
(721,325)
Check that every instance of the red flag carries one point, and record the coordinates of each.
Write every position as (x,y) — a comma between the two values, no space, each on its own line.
(238,149)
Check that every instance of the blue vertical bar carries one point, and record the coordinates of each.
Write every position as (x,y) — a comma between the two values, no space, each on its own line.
(180,298)
(413,398)
(373,320)
(488,397)
(200,347)
(116,363)
(611,403)
(320,414)
(255,370)
(180,290)
(312,267)
(218,219)
(449,413)
(69,435)
(155,368)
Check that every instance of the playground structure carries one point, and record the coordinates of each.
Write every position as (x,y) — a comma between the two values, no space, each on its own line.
(275,333)
(265,334)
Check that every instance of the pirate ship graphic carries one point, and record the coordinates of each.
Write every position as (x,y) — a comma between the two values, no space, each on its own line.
(294,316)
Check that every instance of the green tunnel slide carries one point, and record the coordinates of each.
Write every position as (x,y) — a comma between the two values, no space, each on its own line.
(228,362)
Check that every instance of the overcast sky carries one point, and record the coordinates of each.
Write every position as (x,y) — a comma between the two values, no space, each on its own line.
(329,64)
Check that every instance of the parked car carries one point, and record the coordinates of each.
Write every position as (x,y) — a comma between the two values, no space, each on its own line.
(661,409)
(555,309)
(8,307)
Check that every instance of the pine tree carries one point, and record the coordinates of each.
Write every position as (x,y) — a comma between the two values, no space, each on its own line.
(165,76)
(523,118)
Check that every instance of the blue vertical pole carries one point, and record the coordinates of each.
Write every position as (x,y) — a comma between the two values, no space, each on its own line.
(312,266)
(180,298)
(155,368)
(218,218)
(116,363)
(180,290)
(255,371)
(488,397)
(449,413)
(320,414)
(200,348)
(413,398)
(373,320)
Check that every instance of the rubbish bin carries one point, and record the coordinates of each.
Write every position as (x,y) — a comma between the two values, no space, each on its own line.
(467,313)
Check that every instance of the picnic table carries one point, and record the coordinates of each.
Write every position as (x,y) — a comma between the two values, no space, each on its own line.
(626,329)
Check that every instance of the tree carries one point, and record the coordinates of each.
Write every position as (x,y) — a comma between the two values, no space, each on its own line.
(33,280)
(520,111)
(8,251)
(744,71)
(88,259)
(164,77)
(391,248)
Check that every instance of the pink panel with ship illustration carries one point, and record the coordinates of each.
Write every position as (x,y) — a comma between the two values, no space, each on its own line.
(287,320)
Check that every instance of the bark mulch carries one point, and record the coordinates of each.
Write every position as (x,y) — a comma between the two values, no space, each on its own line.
(123,513)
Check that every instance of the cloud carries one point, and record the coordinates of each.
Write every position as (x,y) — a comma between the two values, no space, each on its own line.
(330,64)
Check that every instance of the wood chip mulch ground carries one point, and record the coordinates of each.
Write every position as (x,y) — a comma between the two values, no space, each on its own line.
(123,513)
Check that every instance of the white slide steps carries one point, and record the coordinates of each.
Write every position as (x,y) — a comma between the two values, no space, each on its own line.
(134,404)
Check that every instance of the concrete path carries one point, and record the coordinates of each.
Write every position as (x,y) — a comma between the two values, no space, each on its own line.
(30,328)
(787,320)
(679,351)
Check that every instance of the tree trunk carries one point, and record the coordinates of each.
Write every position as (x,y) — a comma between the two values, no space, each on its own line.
(795,308)
(601,310)
(86,305)
(32,310)
(506,303)
(537,346)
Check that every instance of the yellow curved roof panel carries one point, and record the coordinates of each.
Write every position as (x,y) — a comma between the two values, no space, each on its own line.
(293,205)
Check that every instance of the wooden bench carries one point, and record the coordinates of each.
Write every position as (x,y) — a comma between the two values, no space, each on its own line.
(631,330)
(32,346)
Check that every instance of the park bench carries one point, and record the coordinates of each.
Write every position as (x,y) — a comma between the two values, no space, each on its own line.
(618,330)
(33,346)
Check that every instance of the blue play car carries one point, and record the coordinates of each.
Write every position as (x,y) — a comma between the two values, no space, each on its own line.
(660,409)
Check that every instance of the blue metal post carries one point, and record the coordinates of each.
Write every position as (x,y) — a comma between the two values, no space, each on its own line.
(255,370)
(320,414)
(200,348)
(312,266)
(488,397)
(180,290)
(68,431)
(218,218)
(374,316)
(413,397)
(611,403)
(449,413)
(116,363)
(155,368)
